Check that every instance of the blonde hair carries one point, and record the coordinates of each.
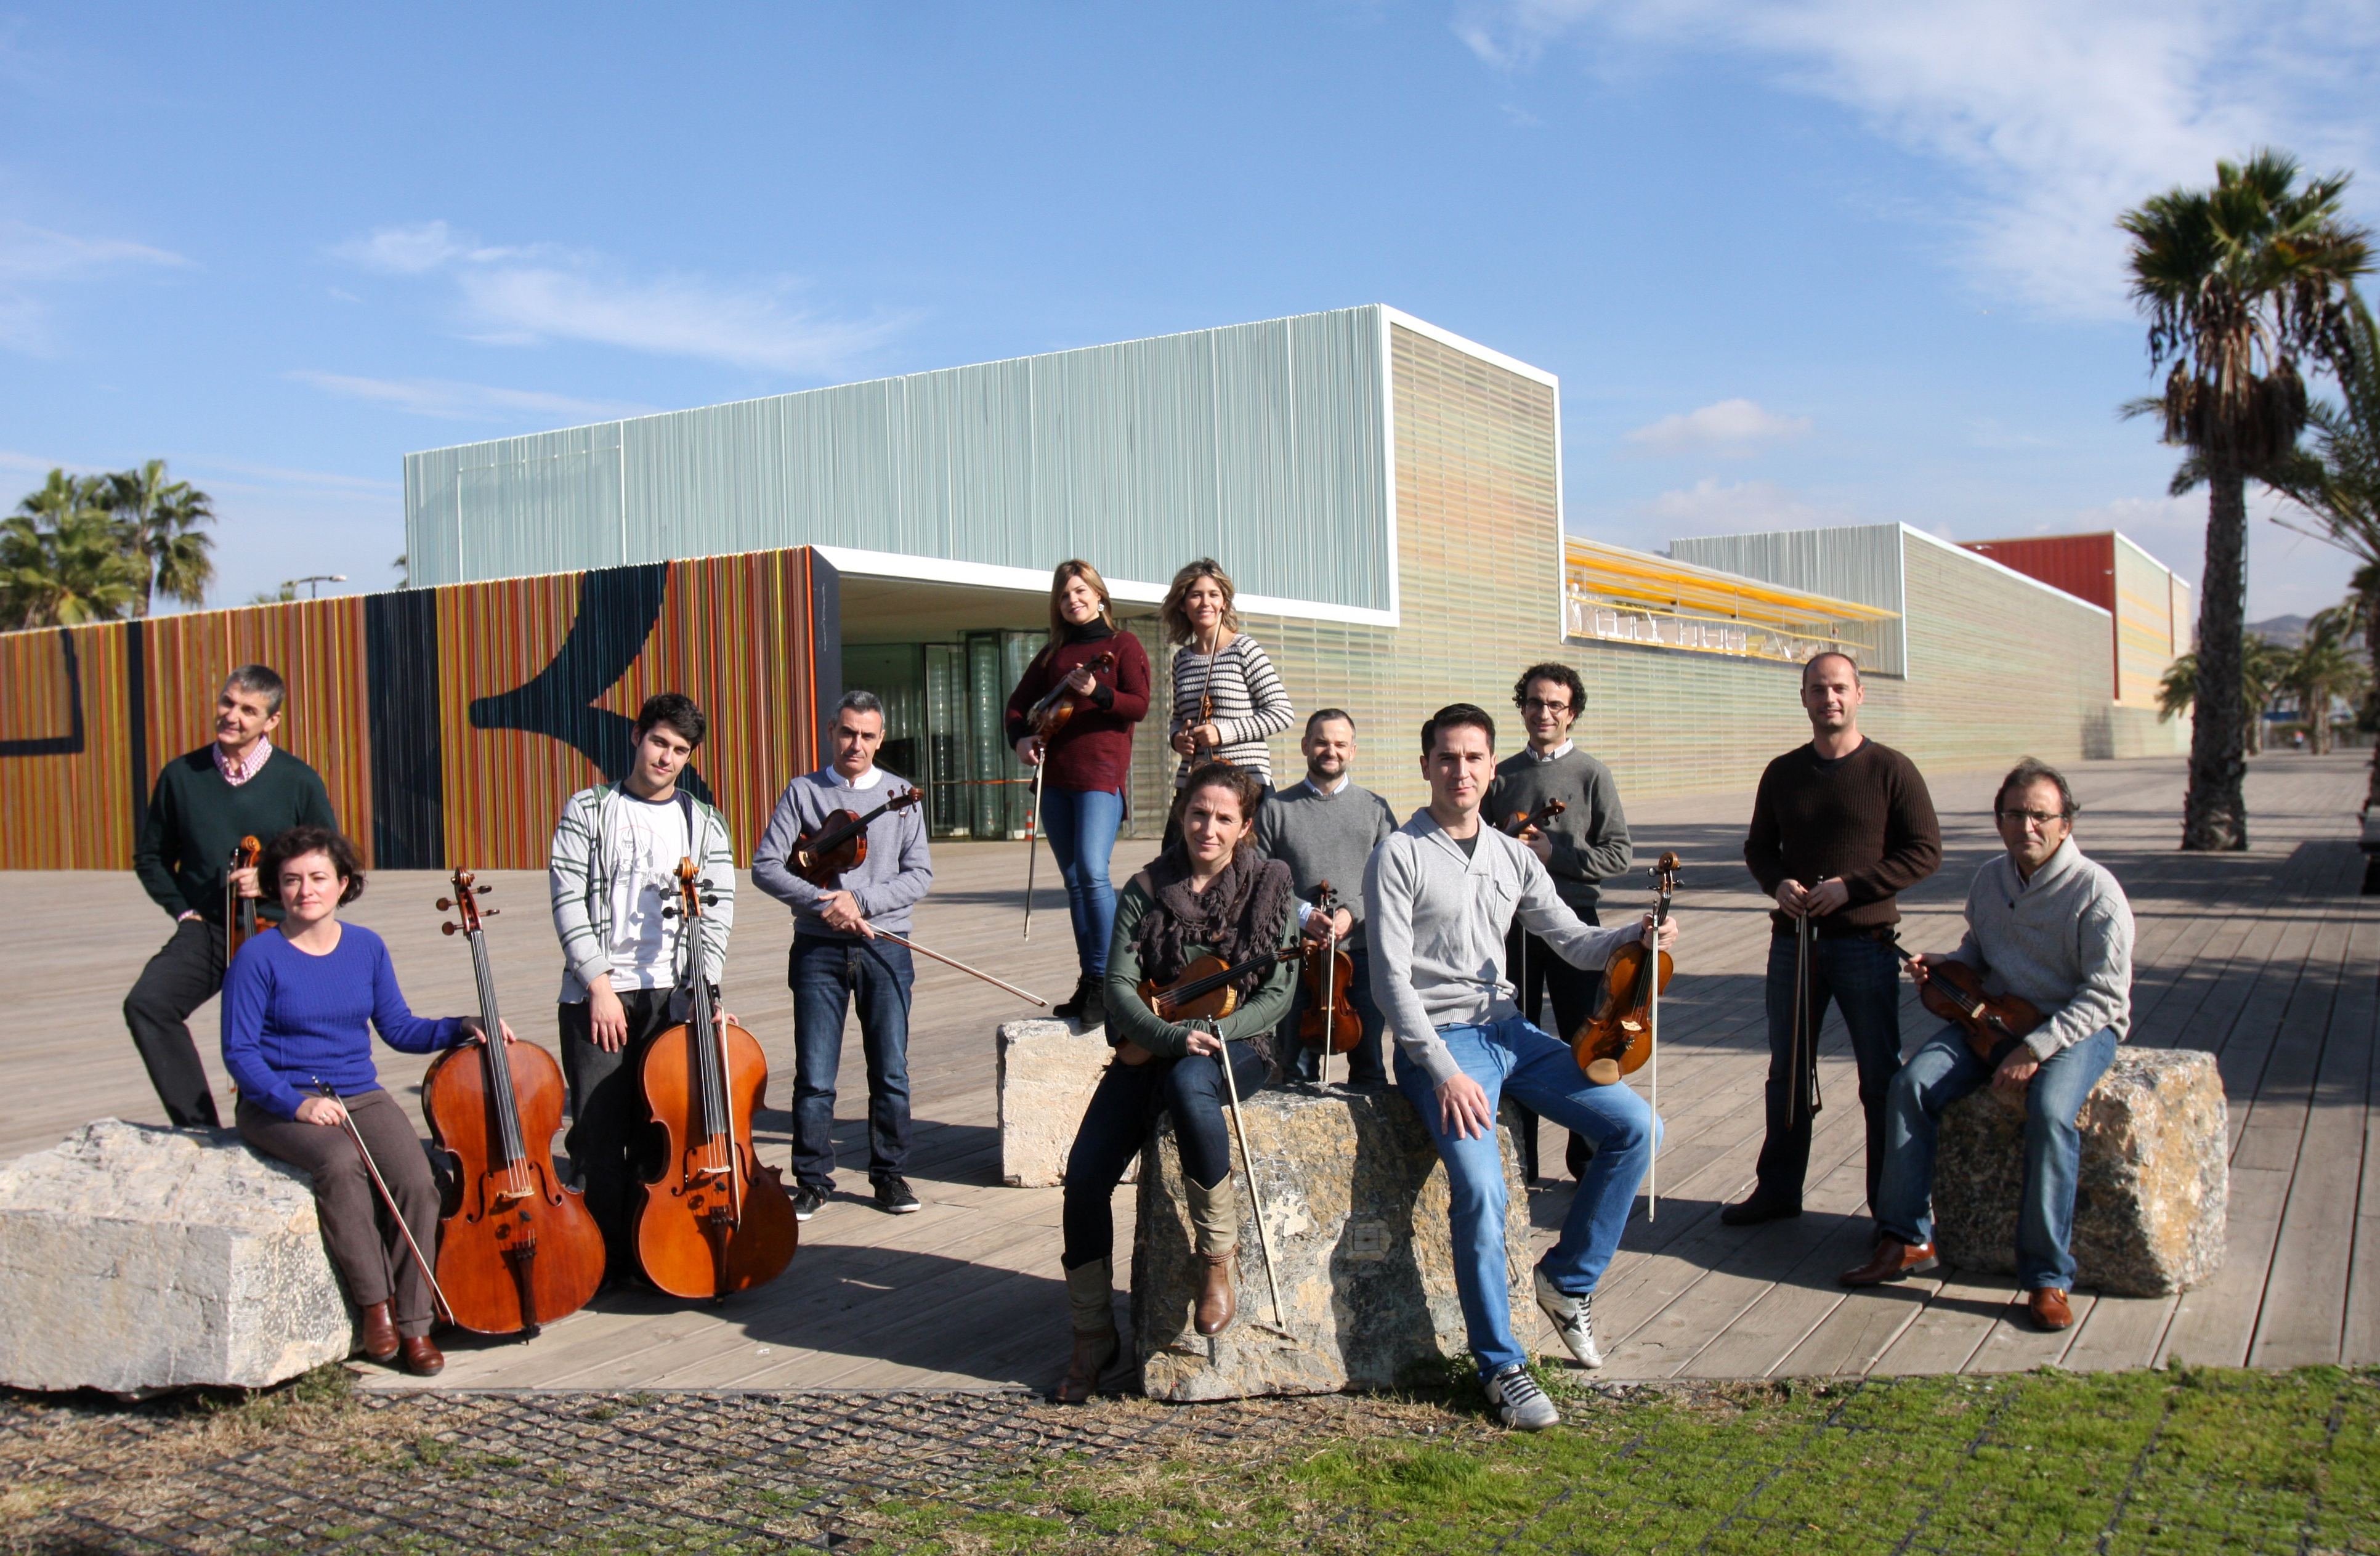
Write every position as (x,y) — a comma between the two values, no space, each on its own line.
(1178,630)
(1066,573)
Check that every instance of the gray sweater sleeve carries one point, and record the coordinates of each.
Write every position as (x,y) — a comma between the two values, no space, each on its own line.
(2105,936)
(1549,918)
(1391,880)
(569,860)
(769,869)
(914,877)
(1606,850)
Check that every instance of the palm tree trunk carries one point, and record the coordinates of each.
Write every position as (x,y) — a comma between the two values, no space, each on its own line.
(2371,690)
(2215,814)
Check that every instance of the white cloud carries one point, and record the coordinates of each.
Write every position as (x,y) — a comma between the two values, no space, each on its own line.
(1730,426)
(465,402)
(522,296)
(33,257)
(1709,508)
(2059,116)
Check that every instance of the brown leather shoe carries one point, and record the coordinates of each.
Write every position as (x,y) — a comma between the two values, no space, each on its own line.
(2050,1309)
(1094,1353)
(378,1332)
(1213,1314)
(421,1355)
(1892,1260)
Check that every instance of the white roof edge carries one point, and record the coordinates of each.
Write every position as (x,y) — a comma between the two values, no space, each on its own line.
(1978,557)
(1035,581)
(1469,348)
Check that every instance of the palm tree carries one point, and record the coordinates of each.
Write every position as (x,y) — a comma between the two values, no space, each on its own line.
(2240,283)
(2322,669)
(62,559)
(2261,663)
(160,522)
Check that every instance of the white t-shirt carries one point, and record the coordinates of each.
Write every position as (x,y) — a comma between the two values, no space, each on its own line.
(647,842)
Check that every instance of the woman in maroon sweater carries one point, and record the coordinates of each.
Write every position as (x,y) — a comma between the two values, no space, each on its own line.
(1089,761)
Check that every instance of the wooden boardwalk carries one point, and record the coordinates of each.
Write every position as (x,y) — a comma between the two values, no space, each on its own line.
(2269,959)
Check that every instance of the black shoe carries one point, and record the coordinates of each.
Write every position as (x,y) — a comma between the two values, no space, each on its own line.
(1753,1211)
(1071,1008)
(1093,1003)
(892,1196)
(806,1200)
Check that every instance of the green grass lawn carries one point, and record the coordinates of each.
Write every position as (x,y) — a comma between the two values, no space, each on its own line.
(2187,1461)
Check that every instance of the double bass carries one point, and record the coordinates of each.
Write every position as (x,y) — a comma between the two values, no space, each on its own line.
(1618,1038)
(516,1247)
(1954,991)
(840,841)
(715,1220)
(1328,1024)
(240,913)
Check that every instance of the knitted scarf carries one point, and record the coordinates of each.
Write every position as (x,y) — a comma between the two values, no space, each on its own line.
(1238,917)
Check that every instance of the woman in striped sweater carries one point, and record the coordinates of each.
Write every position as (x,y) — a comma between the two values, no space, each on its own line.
(1222,668)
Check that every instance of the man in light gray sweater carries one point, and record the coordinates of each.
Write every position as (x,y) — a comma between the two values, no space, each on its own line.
(2051,927)
(1324,828)
(1439,897)
(837,958)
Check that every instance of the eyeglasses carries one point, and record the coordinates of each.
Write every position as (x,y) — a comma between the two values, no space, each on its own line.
(1540,705)
(2038,818)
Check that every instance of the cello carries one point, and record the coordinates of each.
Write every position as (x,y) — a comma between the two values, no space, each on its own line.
(240,913)
(839,841)
(516,1247)
(1328,1024)
(715,1220)
(1618,1038)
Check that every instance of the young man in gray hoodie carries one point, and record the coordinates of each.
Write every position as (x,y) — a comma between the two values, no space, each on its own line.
(1439,898)
(838,960)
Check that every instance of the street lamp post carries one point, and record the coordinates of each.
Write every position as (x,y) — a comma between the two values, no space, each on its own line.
(314,582)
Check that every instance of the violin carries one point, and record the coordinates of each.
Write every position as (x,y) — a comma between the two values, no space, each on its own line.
(1522,820)
(516,1247)
(1201,992)
(1329,1022)
(1047,717)
(1954,991)
(240,913)
(715,1220)
(840,841)
(1618,1038)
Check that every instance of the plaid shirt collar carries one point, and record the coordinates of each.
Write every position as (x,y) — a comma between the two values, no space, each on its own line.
(236,774)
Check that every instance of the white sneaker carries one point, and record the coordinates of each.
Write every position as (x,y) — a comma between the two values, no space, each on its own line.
(1520,1402)
(1574,1316)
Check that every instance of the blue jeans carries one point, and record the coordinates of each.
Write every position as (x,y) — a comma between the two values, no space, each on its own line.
(1081,825)
(1122,1111)
(1863,977)
(829,976)
(1363,1067)
(1947,1069)
(1513,1058)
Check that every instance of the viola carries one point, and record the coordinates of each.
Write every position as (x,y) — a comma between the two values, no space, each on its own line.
(1047,717)
(240,913)
(1522,821)
(840,841)
(715,1220)
(1954,991)
(516,1247)
(1329,1022)
(1618,1038)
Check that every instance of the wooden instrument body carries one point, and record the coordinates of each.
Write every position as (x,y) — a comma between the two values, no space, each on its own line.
(1954,991)
(1328,1024)
(840,841)
(1210,1004)
(692,1241)
(507,1261)
(1047,717)
(516,1247)
(1618,1038)
(240,913)
(1522,820)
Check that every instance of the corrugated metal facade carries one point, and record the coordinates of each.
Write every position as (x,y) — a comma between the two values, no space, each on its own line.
(1861,564)
(1260,441)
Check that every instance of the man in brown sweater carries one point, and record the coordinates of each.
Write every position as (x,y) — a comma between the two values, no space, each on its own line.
(1839,827)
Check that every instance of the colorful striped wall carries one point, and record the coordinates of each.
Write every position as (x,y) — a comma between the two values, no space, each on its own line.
(449,724)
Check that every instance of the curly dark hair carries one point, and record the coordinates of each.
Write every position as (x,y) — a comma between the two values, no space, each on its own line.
(300,841)
(1242,782)
(1561,674)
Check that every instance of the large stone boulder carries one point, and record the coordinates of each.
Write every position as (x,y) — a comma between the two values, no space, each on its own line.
(2149,1205)
(1047,1070)
(135,1258)
(1355,1198)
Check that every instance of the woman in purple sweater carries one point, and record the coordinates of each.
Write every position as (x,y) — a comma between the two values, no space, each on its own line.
(298,1006)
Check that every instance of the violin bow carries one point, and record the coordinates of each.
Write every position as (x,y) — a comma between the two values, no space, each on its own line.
(1248,1171)
(436,1294)
(1025,994)
(1033,838)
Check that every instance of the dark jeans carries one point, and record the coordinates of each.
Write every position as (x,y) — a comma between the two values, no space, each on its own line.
(364,1240)
(828,978)
(1363,1063)
(1862,976)
(1082,825)
(613,1143)
(1537,970)
(185,973)
(1117,1123)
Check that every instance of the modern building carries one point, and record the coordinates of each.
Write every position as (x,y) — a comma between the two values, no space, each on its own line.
(1386,495)
(2153,612)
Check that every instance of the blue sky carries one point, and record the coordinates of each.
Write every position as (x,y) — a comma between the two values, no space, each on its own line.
(1796,262)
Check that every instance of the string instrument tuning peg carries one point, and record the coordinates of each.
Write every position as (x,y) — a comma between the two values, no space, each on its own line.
(709,901)
(448,928)
(445,904)
(669,913)
(491,913)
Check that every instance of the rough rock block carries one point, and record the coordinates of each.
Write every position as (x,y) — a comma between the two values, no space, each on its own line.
(134,1257)
(1047,1070)
(1355,1198)
(2149,1207)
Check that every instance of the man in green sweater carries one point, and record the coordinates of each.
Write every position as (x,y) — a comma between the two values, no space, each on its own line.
(237,785)
(1582,847)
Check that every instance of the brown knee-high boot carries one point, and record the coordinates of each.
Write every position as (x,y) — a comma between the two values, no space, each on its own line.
(1090,1291)
(1215,1217)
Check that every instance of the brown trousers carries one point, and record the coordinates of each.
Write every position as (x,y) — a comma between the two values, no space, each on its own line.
(364,1240)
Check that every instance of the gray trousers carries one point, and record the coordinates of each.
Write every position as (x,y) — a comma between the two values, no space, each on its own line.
(364,1240)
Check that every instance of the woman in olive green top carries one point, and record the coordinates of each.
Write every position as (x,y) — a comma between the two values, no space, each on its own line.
(1209,895)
